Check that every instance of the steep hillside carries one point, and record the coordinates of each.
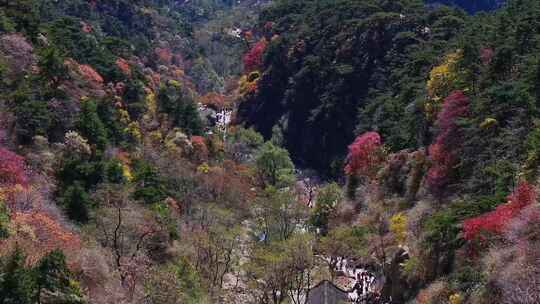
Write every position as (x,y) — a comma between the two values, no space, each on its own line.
(102,104)
(326,61)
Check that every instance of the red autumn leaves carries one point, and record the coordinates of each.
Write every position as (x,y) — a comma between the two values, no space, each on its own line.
(11,169)
(444,151)
(496,221)
(253,58)
(366,152)
(365,155)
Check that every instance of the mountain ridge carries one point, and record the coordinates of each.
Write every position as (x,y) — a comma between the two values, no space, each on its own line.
(471,6)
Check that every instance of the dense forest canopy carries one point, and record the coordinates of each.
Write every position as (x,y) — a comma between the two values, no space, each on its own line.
(342,56)
(258,151)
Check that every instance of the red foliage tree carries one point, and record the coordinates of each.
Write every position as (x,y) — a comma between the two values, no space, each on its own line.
(123,65)
(438,174)
(523,195)
(443,152)
(11,169)
(365,155)
(253,58)
(497,220)
(455,106)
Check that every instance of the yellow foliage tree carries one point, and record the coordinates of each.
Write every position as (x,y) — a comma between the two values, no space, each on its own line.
(126,171)
(134,130)
(124,116)
(455,299)
(151,103)
(443,76)
(398,226)
(203,168)
(443,79)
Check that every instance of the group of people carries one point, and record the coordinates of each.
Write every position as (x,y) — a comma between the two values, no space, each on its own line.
(364,290)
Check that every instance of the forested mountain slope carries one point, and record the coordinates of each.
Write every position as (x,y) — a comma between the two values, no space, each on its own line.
(327,60)
(94,94)
(444,108)
(218,151)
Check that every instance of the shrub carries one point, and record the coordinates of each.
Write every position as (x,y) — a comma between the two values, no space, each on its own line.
(512,266)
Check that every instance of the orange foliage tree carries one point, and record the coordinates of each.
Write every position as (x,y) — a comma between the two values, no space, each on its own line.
(214,100)
(90,74)
(37,233)
(200,149)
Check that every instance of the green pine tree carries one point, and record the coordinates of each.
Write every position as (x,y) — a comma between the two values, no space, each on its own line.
(77,202)
(32,114)
(17,283)
(90,125)
(51,67)
(180,107)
